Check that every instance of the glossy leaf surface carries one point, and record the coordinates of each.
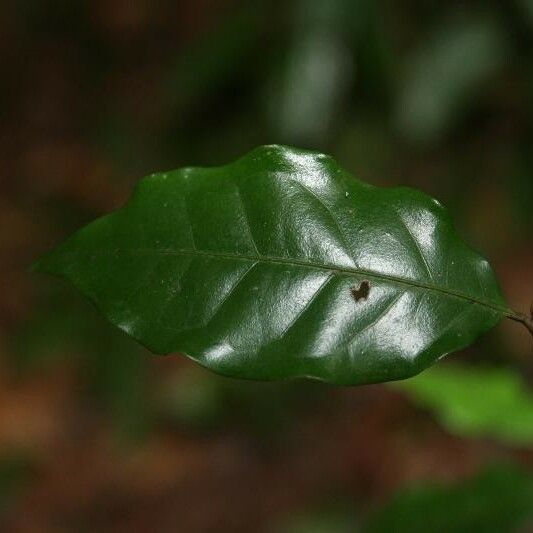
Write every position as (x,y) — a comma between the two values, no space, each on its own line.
(282,264)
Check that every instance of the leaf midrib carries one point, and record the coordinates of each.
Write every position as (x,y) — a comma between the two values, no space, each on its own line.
(329,268)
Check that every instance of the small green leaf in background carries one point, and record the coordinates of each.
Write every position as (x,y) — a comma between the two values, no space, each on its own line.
(476,402)
(198,400)
(497,500)
(65,327)
(317,74)
(446,74)
(318,523)
(192,398)
(329,518)
(283,265)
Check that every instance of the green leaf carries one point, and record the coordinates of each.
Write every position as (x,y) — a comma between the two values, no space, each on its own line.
(447,73)
(496,500)
(281,265)
(476,402)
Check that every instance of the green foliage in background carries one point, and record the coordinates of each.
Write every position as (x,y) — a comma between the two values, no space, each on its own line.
(338,517)
(64,329)
(496,500)
(445,77)
(476,401)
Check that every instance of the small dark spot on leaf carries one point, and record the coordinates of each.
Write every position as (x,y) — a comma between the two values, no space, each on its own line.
(361,292)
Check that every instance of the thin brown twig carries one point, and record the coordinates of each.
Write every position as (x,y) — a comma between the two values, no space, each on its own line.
(527,321)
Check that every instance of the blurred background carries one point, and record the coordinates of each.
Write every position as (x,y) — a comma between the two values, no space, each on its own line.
(96,434)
